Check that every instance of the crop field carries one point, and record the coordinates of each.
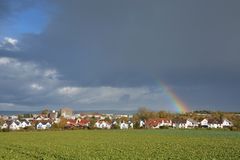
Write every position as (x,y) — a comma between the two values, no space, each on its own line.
(119,144)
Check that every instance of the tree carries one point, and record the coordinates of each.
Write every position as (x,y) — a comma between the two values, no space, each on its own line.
(92,123)
(27,115)
(45,111)
(20,116)
(1,121)
(62,123)
(142,113)
(164,114)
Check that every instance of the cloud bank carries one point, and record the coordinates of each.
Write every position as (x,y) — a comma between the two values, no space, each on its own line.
(29,85)
(107,54)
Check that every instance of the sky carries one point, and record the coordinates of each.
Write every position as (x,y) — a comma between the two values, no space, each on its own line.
(120,55)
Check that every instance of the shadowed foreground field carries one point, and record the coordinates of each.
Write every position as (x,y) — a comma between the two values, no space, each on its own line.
(118,144)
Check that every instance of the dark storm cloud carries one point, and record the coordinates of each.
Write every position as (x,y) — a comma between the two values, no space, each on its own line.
(191,45)
(137,42)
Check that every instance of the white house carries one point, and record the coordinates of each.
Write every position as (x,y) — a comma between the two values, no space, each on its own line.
(158,123)
(131,125)
(214,124)
(15,126)
(13,117)
(141,124)
(204,123)
(39,126)
(25,124)
(181,125)
(48,125)
(97,124)
(103,125)
(4,126)
(43,126)
(226,123)
(190,123)
(166,122)
(123,125)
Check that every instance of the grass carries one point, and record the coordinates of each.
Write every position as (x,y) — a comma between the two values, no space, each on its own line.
(121,144)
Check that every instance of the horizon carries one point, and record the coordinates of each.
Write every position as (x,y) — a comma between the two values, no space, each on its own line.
(90,55)
(102,111)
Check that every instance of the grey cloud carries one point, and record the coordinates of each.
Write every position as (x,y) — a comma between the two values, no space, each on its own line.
(23,82)
(129,44)
(123,43)
(124,98)
(27,84)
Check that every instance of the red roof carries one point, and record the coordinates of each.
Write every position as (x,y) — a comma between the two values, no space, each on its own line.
(71,122)
(83,122)
(156,121)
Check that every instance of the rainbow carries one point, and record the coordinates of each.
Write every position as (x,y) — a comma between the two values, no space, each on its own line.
(180,106)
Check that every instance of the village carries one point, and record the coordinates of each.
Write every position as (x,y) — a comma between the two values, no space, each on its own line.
(66,119)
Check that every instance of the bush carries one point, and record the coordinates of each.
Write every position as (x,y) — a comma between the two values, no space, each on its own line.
(234,128)
(5,130)
(115,126)
(164,127)
(29,128)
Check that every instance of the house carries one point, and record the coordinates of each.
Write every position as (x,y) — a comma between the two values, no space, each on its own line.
(182,125)
(53,115)
(179,123)
(41,118)
(190,123)
(226,123)
(13,117)
(48,125)
(82,115)
(130,124)
(71,123)
(39,126)
(98,116)
(103,124)
(43,125)
(213,123)
(97,124)
(4,126)
(25,124)
(141,124)
(110,116)
(83,122)
(15,125)
(77,115)
(204,123)
(158,122)
(123,125)
(28,119)
(123,116)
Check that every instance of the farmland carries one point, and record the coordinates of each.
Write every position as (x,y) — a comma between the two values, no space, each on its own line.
(121,144)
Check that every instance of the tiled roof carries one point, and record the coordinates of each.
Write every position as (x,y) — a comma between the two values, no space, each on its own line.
(156,121)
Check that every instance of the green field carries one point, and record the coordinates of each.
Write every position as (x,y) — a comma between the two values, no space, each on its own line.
(118,144)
